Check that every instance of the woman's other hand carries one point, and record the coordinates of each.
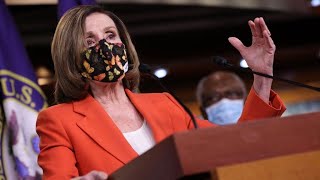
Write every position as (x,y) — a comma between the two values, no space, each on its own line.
(93,175)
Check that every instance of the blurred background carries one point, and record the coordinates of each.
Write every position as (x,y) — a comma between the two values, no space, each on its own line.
(181,36)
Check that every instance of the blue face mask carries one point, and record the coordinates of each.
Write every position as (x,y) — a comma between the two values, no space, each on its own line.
(226,111)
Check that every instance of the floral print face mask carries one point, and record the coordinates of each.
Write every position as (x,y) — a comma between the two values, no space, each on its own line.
(105,62)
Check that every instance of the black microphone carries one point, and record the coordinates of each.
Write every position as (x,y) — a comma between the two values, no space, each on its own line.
(144,68)
(223,62)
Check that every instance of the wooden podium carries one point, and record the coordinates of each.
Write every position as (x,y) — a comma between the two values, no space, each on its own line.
(275,148)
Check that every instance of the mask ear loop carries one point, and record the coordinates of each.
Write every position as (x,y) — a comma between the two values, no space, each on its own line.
(130,64)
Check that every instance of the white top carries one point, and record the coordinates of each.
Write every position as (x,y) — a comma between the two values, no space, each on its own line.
(140,140)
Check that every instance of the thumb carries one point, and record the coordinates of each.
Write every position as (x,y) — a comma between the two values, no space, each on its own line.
(235,42)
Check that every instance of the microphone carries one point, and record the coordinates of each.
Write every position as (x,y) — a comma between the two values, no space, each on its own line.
(144,68)
(223,62)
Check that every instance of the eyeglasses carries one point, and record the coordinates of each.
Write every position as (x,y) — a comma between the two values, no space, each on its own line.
(217,96)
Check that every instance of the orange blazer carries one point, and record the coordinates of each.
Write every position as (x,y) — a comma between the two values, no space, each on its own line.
(78,137)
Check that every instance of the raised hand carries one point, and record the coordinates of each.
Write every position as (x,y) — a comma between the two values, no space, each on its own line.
(259,55)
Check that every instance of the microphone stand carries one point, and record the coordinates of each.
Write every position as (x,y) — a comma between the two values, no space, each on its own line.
(223,62)
(144,68)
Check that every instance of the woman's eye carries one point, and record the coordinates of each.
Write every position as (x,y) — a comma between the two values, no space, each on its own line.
(110,35)
(90,43)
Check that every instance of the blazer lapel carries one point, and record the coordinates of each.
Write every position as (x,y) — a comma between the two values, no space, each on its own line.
(100,127)
(156,116)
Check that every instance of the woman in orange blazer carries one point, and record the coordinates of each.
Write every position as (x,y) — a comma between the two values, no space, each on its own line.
(96,126)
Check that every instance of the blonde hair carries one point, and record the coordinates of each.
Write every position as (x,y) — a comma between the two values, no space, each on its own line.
(67,45)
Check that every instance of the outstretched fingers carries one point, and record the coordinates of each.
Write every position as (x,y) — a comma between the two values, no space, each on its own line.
(235,42)
(252,28)
(258,28)
(269,41)
(264,26)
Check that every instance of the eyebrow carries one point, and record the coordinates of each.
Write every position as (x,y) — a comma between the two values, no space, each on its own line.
(90,33)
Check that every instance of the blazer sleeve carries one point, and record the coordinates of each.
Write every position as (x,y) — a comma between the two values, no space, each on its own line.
(56,156)
(255,108)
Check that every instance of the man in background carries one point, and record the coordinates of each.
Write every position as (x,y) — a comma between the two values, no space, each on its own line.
(221,97)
